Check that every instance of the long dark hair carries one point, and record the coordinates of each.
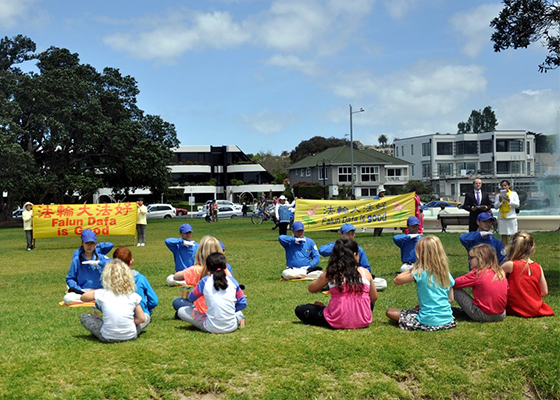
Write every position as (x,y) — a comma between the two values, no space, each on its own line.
(216,265)
(342,266)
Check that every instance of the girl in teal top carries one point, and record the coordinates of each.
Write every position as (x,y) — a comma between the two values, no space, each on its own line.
(433,288)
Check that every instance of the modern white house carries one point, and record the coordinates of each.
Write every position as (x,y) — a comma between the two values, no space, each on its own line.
(450,162)
(332,168)
(212,172)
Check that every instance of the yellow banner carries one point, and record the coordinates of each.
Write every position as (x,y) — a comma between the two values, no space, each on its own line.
(60,220)
(390,211)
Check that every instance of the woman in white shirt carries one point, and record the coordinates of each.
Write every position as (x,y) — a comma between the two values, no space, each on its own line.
(506,201)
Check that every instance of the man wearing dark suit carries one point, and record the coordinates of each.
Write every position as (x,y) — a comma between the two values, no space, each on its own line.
(476,202)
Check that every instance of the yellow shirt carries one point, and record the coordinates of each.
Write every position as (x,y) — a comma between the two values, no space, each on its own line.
(141,217)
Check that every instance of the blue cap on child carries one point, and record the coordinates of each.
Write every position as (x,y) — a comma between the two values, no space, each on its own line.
(412,221)
(345,228)
(485,216)
(297,226)
(88,236)
(185,228)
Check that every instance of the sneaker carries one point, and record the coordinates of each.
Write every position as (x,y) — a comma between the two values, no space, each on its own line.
(143,244)
(139,244)
(29,249)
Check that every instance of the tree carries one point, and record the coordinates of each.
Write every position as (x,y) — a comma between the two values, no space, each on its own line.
(315,145)
(479,121)
(522,22)
(418,187)
(544,143)
(273,164)
(383,140)
(82,128)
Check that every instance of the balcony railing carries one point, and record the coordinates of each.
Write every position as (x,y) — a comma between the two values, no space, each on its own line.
(396,179)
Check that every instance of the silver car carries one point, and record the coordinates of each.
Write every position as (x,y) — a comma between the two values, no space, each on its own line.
(161,211)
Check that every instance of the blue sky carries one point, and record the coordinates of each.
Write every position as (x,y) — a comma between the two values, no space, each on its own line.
(265,75)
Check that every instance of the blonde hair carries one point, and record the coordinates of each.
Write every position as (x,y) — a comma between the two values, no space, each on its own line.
(117,278)
(431,257)
(487,260)
(521,247)
(208,245)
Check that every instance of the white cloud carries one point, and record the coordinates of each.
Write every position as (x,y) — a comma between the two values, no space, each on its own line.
(12,12)
(532,110)
(293,62)
(398,9)
(474,27)
(268,123)
(177,35)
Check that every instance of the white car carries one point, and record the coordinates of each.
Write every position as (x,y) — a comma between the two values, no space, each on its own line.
(223,203)
(224,212)
(159,211)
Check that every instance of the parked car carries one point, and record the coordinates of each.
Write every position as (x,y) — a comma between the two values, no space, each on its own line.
(159,211)
(437,204)
(224,203)
(180,212)
(450,201)
(224,212)
(16,215)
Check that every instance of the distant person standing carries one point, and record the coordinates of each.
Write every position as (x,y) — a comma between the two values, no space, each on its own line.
(506,201)
(476,202)
(27,216)
(141,222)
(244,210)
(380,195)
(215,208)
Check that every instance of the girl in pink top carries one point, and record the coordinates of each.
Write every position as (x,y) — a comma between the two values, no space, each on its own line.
(527,284)
(352,290)
(489,286)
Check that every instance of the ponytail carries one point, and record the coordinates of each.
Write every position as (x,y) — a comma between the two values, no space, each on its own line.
(216,265)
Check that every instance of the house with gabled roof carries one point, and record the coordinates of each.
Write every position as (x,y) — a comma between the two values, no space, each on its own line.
(332,167)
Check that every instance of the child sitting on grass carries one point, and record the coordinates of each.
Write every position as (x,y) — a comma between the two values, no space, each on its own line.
(433,288)
(143,288)
(489,286)
(184,250)
(224,299)
(122,313)
(352,290)
(527,284)
(407,243)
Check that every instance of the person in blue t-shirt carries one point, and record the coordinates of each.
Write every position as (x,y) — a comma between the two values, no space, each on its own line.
(484,235)
(302,256)
(407,243)
(85,269)
(183,249)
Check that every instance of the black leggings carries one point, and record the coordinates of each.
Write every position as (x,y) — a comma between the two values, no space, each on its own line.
(283,228)
(312,314)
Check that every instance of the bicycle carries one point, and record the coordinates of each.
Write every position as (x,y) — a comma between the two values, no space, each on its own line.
(260,215)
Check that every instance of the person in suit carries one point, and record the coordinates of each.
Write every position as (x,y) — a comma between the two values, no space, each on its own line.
(476,202)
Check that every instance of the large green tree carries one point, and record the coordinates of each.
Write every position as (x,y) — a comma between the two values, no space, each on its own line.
(81,127)
(522,22)
(479,121)
(315,145)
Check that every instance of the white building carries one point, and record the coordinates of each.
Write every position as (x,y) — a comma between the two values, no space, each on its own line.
(450,162)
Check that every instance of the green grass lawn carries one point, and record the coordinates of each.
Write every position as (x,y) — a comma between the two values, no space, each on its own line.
(46,353)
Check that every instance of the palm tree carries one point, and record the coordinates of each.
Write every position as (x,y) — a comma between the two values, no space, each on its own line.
(383,140)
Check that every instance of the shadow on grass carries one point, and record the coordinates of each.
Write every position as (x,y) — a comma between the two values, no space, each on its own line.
(553,281)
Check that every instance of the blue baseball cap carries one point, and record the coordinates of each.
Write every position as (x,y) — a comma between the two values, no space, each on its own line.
(345,228)
(298,226)
(222,245)
(185,228)
(412,221)
(88,236)
(485,216)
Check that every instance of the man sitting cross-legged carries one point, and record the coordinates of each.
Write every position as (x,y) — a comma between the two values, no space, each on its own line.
(302,256)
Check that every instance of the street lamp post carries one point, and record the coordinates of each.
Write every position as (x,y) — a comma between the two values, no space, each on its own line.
(352,149)
(323,164)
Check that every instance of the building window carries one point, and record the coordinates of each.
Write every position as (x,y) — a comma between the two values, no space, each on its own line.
(369,174)
(466,147)
(368,192)
(509,167)
(485,146)
(466,168)
(296,172)
(344,174)
(302,172)
(412,170)
(321,177)
(426,149)
(402,151)
(528,147)
(308,172)
(528,167)
(426,170)
(445,169)
(509,145)
(445,149)
(411,149)
(397,151)
(485,168)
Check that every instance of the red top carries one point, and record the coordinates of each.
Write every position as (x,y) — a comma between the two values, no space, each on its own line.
(524,296)
(489,296)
